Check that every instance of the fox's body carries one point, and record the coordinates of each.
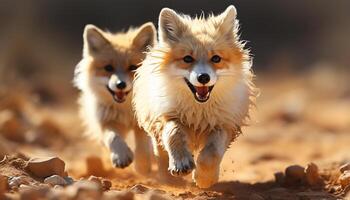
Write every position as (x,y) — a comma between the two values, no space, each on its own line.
(105,76)
(193,92)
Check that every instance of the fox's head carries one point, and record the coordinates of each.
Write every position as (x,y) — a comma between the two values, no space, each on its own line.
(204,52)
(109,60)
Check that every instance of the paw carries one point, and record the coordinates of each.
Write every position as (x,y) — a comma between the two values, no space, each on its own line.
(181,166)
(122,159)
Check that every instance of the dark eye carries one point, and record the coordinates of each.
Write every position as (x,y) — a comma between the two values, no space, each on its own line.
(109,68)
(188,59)
(215,59)
(132,68)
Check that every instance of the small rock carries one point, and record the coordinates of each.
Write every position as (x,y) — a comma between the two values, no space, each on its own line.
(106,184)
(44,167)
(55,180)
(294,174)
(16,181)
(256,197)
(69,180)
(279,178)
(3,184)
(312,176)
(139,189)
(344,179)
(335,189)
(345,167)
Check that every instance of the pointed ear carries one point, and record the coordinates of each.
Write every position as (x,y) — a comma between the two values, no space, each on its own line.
(145,36)
(94,40)
(226,20)
(171,26)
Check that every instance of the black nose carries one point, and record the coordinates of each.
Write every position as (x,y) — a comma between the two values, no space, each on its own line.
(203,78)
(121,85)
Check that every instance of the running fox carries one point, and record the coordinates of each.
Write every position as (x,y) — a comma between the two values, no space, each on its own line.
(104,76)
(193,92)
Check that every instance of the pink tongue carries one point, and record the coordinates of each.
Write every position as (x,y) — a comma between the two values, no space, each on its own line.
(120,95)
(202,91)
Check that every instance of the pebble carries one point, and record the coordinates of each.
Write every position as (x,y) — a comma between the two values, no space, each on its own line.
(344,179)
(16,181)
(279,178)
(312,176)
(106,184)
(55,180)
(294,174)
(69,180)
(44,167)
(345,167)
(139,189)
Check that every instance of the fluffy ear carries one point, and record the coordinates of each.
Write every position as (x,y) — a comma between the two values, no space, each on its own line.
(145,36)
(94,40)
(171,26)
(226,20)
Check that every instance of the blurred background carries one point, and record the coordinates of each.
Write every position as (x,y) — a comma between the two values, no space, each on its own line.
(43,38)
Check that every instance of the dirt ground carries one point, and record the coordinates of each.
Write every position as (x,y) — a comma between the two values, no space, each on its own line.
(294,148)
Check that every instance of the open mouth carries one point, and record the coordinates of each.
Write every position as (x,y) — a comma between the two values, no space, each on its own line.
(201,94)
(118,96)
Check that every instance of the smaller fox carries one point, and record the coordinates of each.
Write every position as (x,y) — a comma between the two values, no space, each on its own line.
(104,76)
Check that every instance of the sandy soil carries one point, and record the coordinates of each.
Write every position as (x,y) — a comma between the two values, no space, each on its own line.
(299,119)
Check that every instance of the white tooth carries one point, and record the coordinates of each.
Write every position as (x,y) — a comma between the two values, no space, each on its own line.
(206,96)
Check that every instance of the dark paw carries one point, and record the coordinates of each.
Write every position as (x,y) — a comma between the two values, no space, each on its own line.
(122,161)
(181,167)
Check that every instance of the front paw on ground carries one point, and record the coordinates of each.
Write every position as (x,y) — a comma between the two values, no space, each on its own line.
(181,167)
(121,160)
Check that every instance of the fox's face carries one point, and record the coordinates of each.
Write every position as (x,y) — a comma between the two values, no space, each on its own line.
(202,52)
(111,59)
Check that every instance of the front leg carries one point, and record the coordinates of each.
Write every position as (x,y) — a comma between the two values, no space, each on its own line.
(174,140)
(121,155)
(209,159)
